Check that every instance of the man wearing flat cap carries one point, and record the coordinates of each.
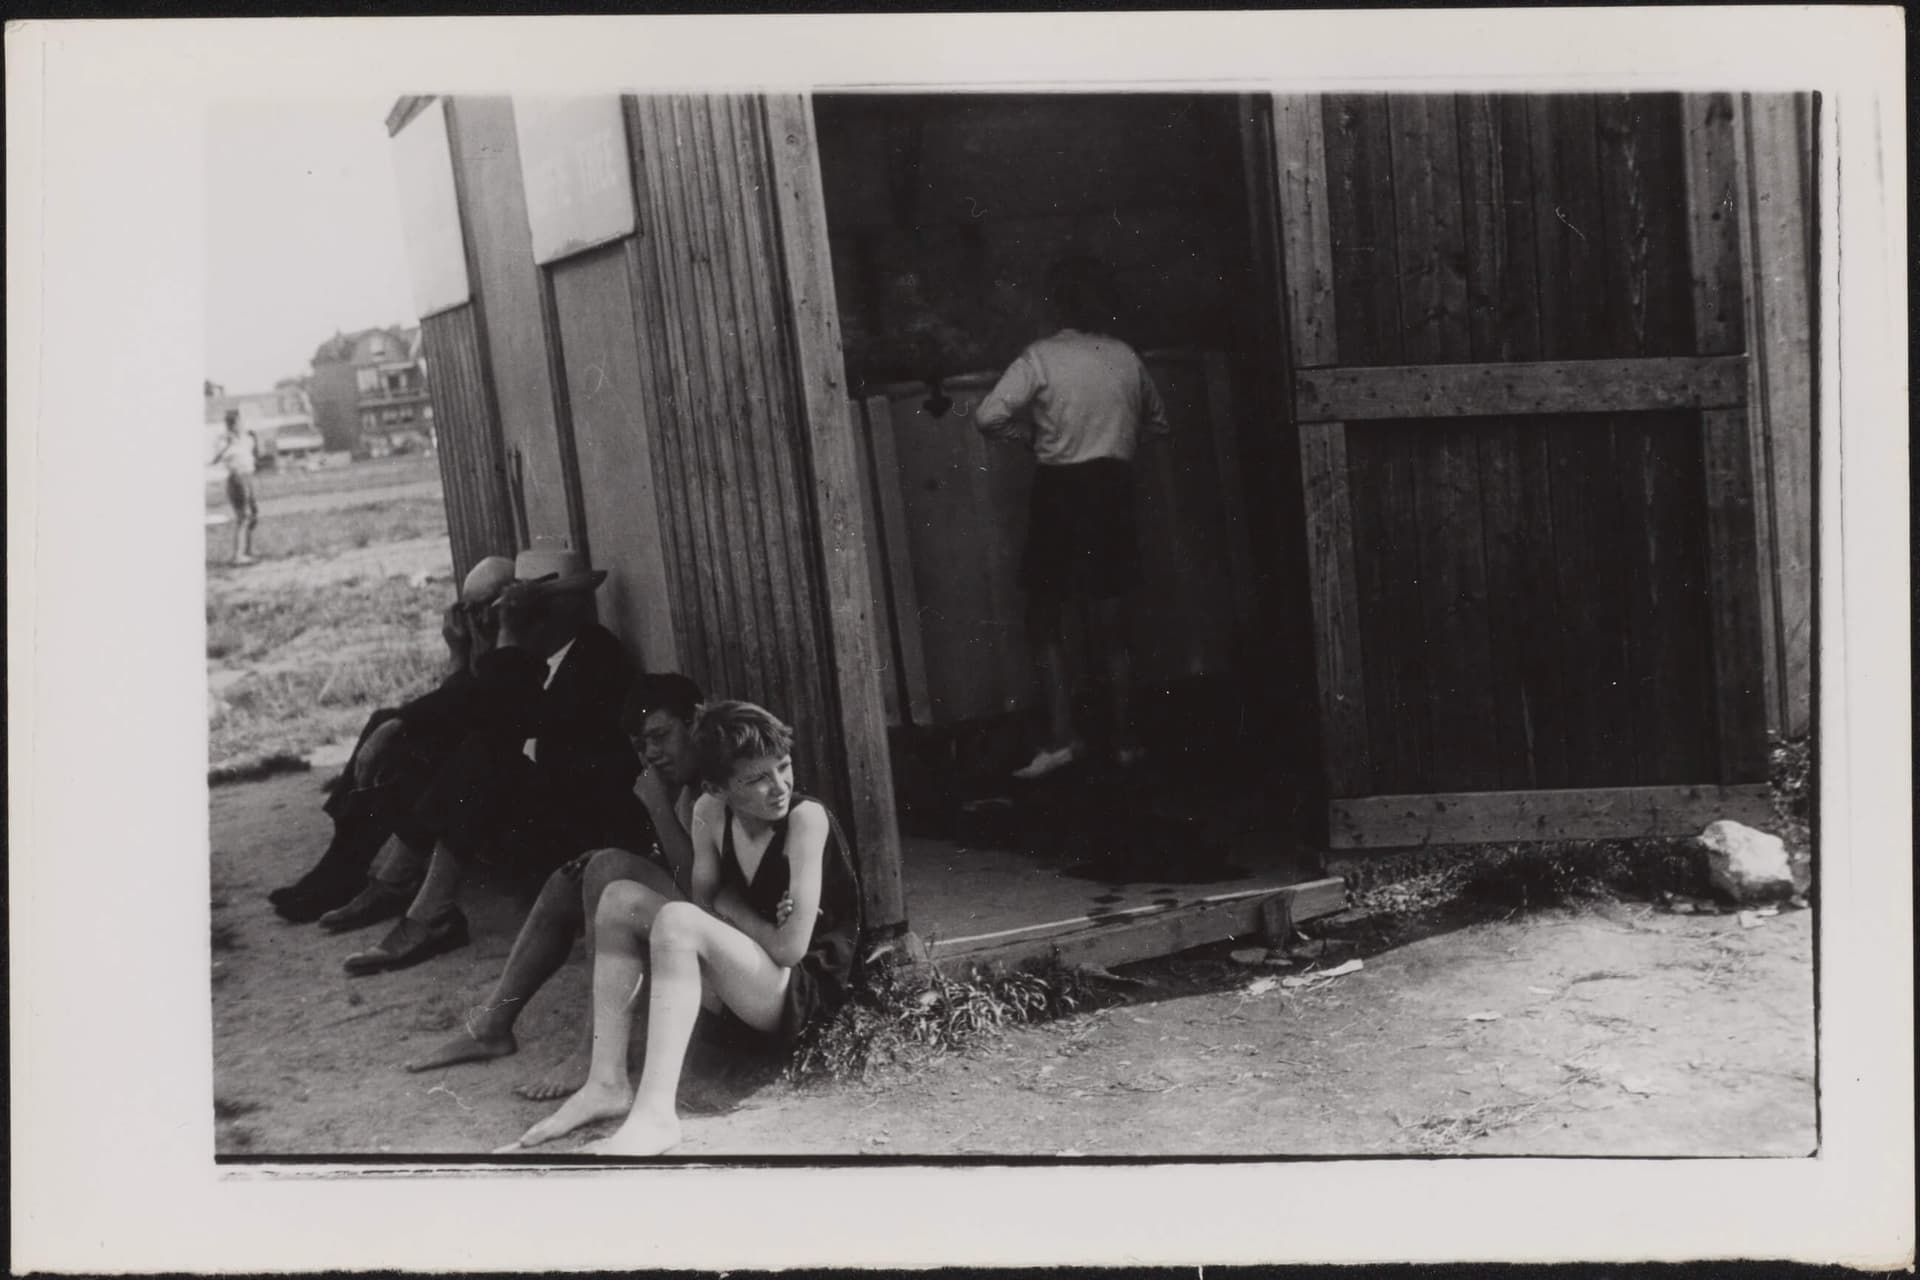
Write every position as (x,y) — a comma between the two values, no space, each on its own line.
(544,774)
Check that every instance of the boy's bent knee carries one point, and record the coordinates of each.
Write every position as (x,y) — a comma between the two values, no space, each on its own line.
(677,925)
(618,901)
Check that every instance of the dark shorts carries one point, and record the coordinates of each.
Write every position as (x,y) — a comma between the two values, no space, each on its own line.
(813,994)
(240,494)
(1082,539)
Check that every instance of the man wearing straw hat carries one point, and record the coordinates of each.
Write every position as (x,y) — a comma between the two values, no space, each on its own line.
(544,774)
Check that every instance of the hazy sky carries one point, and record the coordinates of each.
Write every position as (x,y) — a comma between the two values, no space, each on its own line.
(304,238)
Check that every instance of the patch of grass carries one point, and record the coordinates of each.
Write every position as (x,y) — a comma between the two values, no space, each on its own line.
(245,627)
(233,1108)
(321,533)
(293,712)
(906,1017)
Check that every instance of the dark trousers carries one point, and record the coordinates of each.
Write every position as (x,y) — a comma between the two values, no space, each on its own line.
(371,804)
(491,806)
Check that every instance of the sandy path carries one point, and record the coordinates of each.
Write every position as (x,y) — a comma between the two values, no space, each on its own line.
(1619,1031)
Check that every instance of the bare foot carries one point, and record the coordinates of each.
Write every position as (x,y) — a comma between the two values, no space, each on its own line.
(567,1076)
(592,1102)
(468,1046)
(641,1135)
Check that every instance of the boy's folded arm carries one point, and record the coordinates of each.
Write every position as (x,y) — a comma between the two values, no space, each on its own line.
(807,832)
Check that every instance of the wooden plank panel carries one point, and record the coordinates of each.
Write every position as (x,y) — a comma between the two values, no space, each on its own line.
(957,546)
(904,604)
(1360,214)
(1496,166)
(1429,229)
(1592,580)
(1588,813)
(837,506)
(1184,622)
(1780,303)
(1307,267)
(486,158)
(593,307)
(1714,255)
(885,625)
(1526,614)
(1450,629)
(1503,300)
(1647,306)
(717,319)
(1224,428)
(1351,393)
(473,468)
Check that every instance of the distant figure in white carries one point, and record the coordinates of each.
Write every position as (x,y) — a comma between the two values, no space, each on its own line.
(1080,399)
(240,451)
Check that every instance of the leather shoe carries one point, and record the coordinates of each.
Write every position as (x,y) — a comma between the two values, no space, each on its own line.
(376,902)
(411,942)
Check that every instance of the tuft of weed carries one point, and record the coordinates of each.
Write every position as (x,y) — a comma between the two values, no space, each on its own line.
(233,1108)
(906,1016)
(225,937)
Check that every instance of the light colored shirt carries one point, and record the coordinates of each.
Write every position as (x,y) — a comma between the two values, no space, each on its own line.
(553,669)
(238,452)
(1089,396)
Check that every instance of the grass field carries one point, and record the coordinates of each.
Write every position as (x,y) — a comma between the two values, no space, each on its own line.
(293,666)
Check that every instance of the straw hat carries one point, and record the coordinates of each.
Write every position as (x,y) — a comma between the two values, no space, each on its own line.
(485,581)
(556,570)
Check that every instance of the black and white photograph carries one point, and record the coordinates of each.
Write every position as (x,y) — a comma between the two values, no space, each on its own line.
(941,622)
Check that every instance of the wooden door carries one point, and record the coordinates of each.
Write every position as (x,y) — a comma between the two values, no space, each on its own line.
(1518,385)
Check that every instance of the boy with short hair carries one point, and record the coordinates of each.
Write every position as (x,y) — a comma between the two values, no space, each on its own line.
(769,940)
(658,718)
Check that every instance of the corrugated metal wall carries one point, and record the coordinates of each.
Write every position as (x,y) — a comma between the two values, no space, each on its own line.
(721,392)
(473,467)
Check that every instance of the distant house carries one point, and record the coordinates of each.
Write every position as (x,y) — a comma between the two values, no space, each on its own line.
(370,391)
(282,419)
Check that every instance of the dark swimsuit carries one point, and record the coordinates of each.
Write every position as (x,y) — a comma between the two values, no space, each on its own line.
(820,982)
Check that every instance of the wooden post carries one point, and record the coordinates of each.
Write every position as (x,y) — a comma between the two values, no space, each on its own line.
(1773,153)
(1307,280)
(833,453)
(1713,220)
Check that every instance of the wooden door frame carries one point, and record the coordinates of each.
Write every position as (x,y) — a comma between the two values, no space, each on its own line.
(1323,396)
(832,452)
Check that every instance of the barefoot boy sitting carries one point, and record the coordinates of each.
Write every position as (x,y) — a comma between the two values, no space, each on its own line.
(768,940)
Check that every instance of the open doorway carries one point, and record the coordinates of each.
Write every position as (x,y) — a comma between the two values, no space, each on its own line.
(944,214)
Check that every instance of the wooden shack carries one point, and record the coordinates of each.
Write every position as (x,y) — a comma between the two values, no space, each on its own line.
(1488,500)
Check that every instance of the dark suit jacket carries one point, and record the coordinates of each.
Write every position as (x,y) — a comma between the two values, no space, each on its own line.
(575,722)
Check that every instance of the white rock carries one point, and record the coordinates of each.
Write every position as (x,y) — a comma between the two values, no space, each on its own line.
(1746,865)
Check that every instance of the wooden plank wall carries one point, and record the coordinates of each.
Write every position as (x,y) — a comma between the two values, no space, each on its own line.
(1530,588)
(493,206)
(473,468)
(612,427)
(1775,151)
(718,372)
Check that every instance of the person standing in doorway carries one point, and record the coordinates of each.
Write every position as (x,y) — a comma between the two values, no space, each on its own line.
(240,452)
(1081,399)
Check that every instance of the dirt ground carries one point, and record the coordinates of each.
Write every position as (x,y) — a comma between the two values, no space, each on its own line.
(1611,1030)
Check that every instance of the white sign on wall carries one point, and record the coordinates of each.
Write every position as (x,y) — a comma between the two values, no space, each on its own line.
(574,163)
(430,212)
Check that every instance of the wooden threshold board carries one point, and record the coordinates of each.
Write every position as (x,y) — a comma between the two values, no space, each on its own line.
(1141,933)
(1483,817)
